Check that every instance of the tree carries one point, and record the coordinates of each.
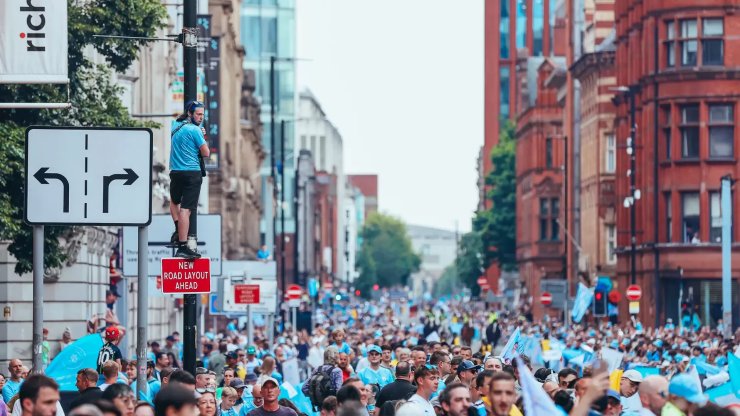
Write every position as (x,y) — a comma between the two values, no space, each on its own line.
(498,224)
(470,261)
(449,283)
(386,257)
(95,102)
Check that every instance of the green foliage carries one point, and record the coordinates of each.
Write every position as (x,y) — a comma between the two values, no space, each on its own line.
(498,225)
(449,283)
(94,100)
(469,264)
(386,257)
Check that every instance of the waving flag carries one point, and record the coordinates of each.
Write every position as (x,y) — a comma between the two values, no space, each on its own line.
(584,296)
(514,346)
(536,401)
(80,354)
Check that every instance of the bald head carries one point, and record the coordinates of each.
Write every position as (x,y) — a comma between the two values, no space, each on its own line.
(653,392)
(550,387)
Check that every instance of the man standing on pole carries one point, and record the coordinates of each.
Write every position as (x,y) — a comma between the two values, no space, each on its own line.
(186,177)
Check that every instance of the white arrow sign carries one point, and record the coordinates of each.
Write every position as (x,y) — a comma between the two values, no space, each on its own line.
(88,176)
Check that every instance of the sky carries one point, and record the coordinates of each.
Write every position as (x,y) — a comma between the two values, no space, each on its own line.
(402,80)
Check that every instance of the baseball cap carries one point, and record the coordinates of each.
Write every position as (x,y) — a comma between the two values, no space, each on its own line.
(266,380)
(251,378)
(251,350)
(466,365)
(112,332)
(237,383)
(613,394)
(374,348)
(232,354)
(633,376)
(685,386)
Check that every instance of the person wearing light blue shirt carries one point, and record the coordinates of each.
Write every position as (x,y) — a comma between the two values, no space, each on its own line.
(375,374)
(13,384)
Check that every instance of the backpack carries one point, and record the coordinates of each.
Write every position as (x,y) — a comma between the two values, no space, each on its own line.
(320,386)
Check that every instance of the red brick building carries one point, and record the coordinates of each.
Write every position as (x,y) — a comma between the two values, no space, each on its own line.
(539,175)
(513,28)
(681,60)
(368,186)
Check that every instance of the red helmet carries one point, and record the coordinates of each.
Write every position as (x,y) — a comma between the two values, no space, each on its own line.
(112,333)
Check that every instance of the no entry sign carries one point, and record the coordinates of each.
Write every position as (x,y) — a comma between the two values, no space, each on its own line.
(247,294)
(294,292)
(186,276)
(546,298)
(634,293)
(483,283)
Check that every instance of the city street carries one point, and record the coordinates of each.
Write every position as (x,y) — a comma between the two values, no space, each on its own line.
(338,208)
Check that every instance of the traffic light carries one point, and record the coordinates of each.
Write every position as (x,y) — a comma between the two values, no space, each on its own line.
(599,304)
(357,292)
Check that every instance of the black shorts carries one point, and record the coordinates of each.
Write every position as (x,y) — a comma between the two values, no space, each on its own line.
(185,188)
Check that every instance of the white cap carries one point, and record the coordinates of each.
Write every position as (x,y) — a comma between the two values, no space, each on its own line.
(633,376)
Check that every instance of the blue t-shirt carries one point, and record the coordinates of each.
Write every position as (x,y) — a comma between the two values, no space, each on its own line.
(154,387)
(11,389)
(381,376)
(185,151)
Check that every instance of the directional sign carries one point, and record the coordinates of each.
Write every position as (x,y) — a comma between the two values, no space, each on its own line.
(247,294)
(88,176)
(186,276)
(160,230)
(634,293)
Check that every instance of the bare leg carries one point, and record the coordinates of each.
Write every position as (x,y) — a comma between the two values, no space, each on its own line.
(183,225)
(174,211)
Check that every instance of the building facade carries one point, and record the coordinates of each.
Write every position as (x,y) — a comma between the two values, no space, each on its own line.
(268,30)
(539,176)
(437,249)
(679,62)
(235,189)
(367,184)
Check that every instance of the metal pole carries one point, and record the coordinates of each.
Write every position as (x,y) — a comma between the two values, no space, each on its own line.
(282,204)
(727,255)
(271,328)
(190,61)
(142,317)
(568,283)
(633,188)
(295,319)
(38,297)
(250,324)
(273,173)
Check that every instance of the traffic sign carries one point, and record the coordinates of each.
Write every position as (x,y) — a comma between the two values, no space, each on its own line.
(247,294)
(634,293)
(186,276)
(634,308)
(483,283)
(159,231)
(88,176)
(546,298)
(258,273)
(294,292)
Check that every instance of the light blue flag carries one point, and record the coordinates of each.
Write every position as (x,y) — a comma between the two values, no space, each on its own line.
(723,395)
(80,354)
(514,346)
(647,371)
(295,395)
(584,296)
(733,368)
(536,401)
(705,368)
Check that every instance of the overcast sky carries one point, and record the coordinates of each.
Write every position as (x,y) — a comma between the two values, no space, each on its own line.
(403,82)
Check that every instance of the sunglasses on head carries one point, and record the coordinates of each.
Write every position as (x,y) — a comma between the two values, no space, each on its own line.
(206,390)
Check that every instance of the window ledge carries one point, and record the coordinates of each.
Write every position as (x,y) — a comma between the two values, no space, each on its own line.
(719,160)
(665,162)
(687,160)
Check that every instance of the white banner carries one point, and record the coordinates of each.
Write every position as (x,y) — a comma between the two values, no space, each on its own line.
(33,41)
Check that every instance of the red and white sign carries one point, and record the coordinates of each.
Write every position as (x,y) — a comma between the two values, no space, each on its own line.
(483,283)
(246,294)
(294,292)
(328,285)
(186,276)
(634,293)
(546,298)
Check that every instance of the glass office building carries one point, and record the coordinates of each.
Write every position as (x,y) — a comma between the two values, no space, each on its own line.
(268,29)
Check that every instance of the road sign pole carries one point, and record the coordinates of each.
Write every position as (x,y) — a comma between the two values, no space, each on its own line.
(38,296)
(727,256)
(250,324)
(295,319)
(142,317)
(190,60)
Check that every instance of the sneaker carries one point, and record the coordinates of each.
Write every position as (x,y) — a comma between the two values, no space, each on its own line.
(185,252)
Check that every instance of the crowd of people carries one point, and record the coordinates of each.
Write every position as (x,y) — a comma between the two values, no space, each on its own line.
(383,358)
